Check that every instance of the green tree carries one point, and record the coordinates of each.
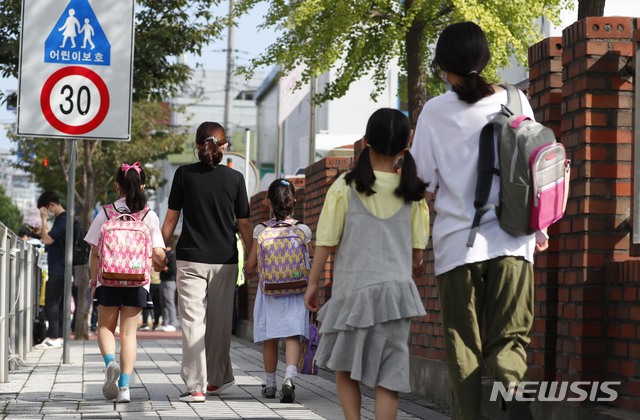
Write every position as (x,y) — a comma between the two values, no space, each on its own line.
(10,214)
(164,30)
(360,37)
(152,139)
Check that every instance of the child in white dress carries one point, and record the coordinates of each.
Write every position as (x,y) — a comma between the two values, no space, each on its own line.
(278,317)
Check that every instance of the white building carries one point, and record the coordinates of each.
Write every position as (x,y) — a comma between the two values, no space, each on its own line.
(286,113)
(20,188)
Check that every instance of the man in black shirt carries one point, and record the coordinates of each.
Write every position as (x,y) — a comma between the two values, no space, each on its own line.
(54,240)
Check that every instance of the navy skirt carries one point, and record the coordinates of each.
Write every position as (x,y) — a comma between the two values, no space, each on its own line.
(137,297)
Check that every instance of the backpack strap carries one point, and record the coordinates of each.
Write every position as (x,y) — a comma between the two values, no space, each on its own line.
(146,211)
(486,171)
(514,102)
(273,222)
(106,213)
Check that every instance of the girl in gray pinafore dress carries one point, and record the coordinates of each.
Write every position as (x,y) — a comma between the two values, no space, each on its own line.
(365,325)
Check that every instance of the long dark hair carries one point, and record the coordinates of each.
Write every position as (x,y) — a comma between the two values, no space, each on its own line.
(131,181)
(388,133)
(463,50)
(282,196)
(211,136)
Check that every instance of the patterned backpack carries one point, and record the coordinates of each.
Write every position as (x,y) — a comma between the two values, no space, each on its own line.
(124,249)
(283,258)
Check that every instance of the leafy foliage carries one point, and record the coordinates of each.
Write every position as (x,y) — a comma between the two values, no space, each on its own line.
(359,37)
(10,214)
(151,140)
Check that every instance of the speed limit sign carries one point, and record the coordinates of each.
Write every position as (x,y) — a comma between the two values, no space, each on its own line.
(76,69)
(75,100)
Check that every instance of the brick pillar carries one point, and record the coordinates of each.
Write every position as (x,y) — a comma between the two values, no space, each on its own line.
(318,178)
(246,295)
(623,312)
(298,182)
(545,91)
(597,131)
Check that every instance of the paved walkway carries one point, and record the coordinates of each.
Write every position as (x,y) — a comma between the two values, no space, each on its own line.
(47,389)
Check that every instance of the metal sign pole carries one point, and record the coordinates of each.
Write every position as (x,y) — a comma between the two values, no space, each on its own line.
(68,263)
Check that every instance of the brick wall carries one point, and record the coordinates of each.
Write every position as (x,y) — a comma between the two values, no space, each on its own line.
(595,97)
(588,279)
(623,331)
(318,178)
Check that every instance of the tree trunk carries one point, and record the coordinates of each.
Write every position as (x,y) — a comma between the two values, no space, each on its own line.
(416,73)
(587,8)
(86,212)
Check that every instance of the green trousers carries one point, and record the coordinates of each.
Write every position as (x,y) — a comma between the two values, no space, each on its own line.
(496,294)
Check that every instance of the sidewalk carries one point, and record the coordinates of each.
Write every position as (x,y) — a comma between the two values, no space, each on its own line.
(47,389)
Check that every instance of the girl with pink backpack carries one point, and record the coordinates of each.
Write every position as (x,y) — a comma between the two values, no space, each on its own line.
(125,241)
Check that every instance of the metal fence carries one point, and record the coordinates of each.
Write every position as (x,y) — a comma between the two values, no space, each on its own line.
(19,288)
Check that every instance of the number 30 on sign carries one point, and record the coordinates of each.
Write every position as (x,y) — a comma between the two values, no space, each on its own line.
(74,100)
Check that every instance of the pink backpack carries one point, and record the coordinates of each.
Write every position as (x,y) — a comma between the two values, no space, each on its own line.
(124,249)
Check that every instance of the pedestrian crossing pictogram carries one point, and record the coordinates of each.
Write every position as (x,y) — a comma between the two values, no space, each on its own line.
(78,38)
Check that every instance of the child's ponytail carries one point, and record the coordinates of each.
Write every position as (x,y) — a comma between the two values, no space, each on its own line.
(411,188)
(131,178)
(362,173)
(282,196)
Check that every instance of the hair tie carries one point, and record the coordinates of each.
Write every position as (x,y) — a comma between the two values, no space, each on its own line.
(211,138)
(284,182)
(367,145)
(473,72)
(125,168)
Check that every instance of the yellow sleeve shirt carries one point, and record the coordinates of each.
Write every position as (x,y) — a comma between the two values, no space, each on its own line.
(383,204)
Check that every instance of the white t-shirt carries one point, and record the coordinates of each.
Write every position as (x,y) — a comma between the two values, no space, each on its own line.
(445,148)
(93,235)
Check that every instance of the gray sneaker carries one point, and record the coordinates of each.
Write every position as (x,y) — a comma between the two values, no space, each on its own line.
(287,393)
(268,391)
(110,388)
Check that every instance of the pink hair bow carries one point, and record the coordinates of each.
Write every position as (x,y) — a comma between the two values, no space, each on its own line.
(125,168)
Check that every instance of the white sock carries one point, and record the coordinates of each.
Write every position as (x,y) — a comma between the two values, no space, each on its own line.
(292,372)
(270,379)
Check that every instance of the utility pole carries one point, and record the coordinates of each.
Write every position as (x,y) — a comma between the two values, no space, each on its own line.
(312,120)
(228,100)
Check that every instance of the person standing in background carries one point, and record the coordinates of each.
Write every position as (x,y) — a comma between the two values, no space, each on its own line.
(156,312)
(168,289)
(54,240)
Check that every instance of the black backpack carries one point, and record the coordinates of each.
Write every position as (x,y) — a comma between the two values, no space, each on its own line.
(81,249)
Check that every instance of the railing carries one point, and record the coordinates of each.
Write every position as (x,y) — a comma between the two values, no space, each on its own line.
(19,280)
